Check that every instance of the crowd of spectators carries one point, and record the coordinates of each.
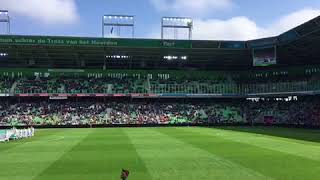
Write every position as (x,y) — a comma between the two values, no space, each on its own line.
(305,111)
(143,84)
(80,113)
(64,84)
(6,84)
(302,111)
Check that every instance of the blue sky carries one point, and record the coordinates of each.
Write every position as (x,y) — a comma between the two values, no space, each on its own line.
(213,19)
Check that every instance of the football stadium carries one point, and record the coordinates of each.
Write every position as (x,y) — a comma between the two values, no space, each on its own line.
(109,108)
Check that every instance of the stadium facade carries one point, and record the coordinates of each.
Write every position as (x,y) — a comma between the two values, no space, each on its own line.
(56,71)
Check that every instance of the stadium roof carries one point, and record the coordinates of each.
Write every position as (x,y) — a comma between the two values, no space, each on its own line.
(295,47)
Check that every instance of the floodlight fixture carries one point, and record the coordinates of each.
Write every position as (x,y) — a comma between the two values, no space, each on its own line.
(116,23)
(3,54)
(184,57)
(171,58)
(5,19)
(120,57)
(177,23)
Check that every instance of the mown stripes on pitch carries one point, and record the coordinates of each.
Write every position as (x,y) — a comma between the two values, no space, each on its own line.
(28,159)
(271,163)
(169,158)
(101,155)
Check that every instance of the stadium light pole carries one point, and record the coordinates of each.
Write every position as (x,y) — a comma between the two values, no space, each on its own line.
(5,19)
(118,22)
(177,23)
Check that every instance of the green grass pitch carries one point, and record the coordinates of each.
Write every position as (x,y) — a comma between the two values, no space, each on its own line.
(190,153)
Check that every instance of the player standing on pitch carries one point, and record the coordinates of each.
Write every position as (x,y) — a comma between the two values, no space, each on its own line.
(124,174)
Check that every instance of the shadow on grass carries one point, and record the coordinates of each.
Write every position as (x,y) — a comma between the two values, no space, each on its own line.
(312,135)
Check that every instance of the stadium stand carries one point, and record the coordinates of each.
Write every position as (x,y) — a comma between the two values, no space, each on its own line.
(82,113)
(109,83)
(304,111)
(80,81)
(5,84)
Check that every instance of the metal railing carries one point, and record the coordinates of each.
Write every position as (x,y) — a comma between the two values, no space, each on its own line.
(201,88)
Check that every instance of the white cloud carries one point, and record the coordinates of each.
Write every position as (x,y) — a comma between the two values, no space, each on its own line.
(292,20)
(243,28)
(44,11)
(237,28)
(191,7)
